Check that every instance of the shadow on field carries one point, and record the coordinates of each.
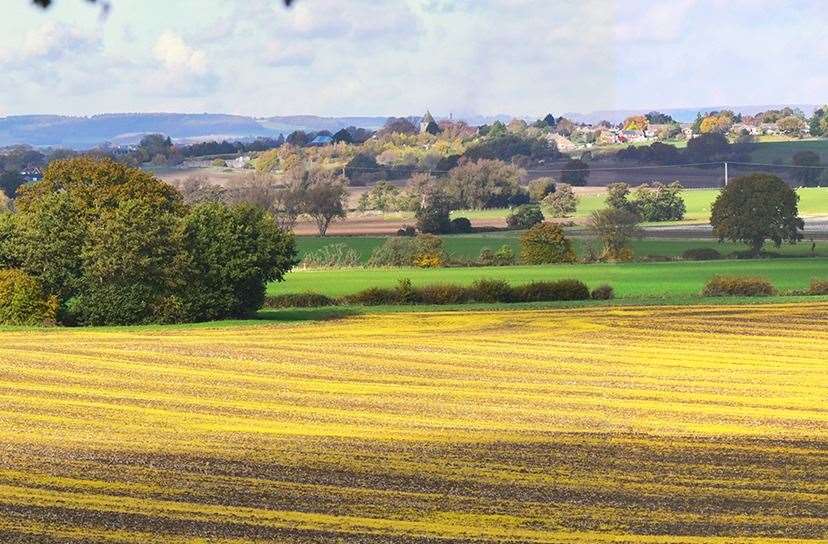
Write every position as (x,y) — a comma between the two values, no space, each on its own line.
(305,314)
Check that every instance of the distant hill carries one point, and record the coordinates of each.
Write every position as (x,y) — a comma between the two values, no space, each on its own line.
(124,128)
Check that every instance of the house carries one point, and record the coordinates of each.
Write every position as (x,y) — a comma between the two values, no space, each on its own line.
(563,143)
(768,128)
(427,124)
(322,139)
(628,136)
(748,129)
(31,174)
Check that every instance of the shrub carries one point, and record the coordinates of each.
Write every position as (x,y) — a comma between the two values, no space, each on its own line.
(373,296)
(393,252)
(486,257)
(299,300)
(701,254)
(540,188)
(545,243)
(332,256)
(485,290)
(504,256)
(428,260)
(405,292)
(407,230)
(602,292)
(443,294)
(818,287)
(23,302)
(525,217)
(428,251)
(551,290)
(461,225)
(719,286)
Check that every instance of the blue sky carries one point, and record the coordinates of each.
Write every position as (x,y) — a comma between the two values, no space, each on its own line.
(394,57)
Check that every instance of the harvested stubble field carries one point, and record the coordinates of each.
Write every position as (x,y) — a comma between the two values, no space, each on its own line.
(645,424)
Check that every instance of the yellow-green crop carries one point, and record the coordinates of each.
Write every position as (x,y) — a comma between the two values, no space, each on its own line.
(661,424)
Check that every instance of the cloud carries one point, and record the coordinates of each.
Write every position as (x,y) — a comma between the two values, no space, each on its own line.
(50,42)
(177,56)
(181,69)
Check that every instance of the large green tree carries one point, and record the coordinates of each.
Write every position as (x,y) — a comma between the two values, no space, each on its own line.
(115,245)
(230,253)
(484,184)
(755,208)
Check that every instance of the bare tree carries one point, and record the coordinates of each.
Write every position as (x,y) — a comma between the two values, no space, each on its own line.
(199,189)
(326,195)
(255,188)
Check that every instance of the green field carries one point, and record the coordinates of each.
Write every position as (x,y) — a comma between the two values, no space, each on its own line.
(768,152)
(629,279)
(468,246)
(812,201)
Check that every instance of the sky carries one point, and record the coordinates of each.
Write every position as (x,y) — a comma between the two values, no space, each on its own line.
(400,57)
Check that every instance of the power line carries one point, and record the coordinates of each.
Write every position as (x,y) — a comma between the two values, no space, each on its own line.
(604,169)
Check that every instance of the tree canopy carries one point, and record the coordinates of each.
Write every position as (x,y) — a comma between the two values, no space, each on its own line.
(755,208)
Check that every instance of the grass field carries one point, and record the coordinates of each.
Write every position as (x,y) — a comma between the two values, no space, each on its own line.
(769,151)
(629,279)
(468,246)
(657,425)
(812,201)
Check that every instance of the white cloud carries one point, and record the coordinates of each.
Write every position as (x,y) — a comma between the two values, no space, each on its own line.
(49,42)
(177,56)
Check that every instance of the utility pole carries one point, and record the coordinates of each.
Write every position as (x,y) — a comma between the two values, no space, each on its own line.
(725,165)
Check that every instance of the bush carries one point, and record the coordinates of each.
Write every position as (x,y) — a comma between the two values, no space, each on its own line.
(373,296)
(23,302)
(491,291)
(405,292)
(818,287)
(504,256)
(483,290)
(299,300)
(540,188)
(393,252)
(602,292)
(524,217)
(428,260)
(539,291)
(332,256)
(443,294)
(461,225)
(719,286)
(545,243)
(407,230)
(701,254)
